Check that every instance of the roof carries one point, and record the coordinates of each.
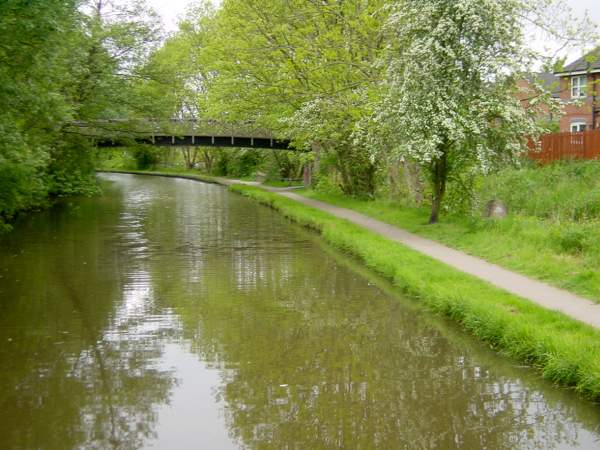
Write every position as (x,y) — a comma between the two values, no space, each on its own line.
(590,62)
(548,81)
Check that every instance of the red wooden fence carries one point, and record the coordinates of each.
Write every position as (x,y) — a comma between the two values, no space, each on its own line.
(558,146)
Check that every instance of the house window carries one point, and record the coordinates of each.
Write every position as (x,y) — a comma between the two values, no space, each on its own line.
(578,85)
(577,127)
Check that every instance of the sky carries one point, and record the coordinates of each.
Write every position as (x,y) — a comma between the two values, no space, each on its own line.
(579,9)
(590,5)
(170,10)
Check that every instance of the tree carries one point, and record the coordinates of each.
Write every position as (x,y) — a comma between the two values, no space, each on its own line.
(173,82)
(62,62)
(301,69)
(113,41)
(118,38)
(451,103)
(33,73)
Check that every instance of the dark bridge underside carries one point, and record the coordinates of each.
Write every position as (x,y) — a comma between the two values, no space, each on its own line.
(200,141)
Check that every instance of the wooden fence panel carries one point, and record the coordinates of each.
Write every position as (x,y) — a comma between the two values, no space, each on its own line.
(559,146)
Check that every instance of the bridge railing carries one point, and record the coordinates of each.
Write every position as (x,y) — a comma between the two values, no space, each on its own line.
(136,128)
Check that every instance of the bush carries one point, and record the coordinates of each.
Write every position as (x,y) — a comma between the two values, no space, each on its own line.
(71,168)
(279,164)
(117,158)
(571,239)
(146,157)
(21,187)
(238,163)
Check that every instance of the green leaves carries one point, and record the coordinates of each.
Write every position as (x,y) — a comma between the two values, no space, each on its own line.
(303,70)
(57,65)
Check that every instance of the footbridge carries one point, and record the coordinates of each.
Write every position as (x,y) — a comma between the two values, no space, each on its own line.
(177,133)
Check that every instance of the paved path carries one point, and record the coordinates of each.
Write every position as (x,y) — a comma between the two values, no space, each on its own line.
(538,292)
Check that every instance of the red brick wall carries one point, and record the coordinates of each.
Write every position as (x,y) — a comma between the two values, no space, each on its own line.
(525,92)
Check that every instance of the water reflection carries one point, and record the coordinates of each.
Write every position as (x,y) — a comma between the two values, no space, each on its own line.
(171,314)
(76,372)
(342,374)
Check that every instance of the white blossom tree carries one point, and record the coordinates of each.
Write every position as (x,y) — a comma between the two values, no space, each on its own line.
(450,102)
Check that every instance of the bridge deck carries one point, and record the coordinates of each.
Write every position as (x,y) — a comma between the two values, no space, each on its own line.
(176,133)
(199,141)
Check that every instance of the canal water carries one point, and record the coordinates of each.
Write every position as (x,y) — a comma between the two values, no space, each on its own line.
(171,314)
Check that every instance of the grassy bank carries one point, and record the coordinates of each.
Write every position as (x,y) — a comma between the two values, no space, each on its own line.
(552,232)
(564,350)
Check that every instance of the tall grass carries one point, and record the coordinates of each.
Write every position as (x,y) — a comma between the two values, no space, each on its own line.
(567,191)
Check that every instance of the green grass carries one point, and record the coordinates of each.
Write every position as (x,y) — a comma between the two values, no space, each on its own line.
(565,254)
(564,350)
(565,192)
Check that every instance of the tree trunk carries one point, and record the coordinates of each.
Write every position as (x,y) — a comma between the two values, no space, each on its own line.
(392,176)
(316,147)
(190,154)
(439,175)
(316,167)
(208,160)
(307,175)
(412,177)
(346,185)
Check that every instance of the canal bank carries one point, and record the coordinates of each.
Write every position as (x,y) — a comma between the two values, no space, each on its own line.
(564,350)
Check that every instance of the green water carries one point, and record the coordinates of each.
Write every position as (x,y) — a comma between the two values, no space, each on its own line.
(171,314)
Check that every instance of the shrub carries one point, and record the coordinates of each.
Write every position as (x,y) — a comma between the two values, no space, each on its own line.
(146,157)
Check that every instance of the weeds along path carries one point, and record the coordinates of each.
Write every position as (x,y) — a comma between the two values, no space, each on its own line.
(543,294)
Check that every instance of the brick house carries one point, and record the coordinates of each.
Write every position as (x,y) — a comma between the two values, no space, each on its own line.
(580,93)
(527,91)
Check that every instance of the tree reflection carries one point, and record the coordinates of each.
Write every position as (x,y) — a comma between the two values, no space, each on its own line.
(310,354)
(322,360)
(76,372)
